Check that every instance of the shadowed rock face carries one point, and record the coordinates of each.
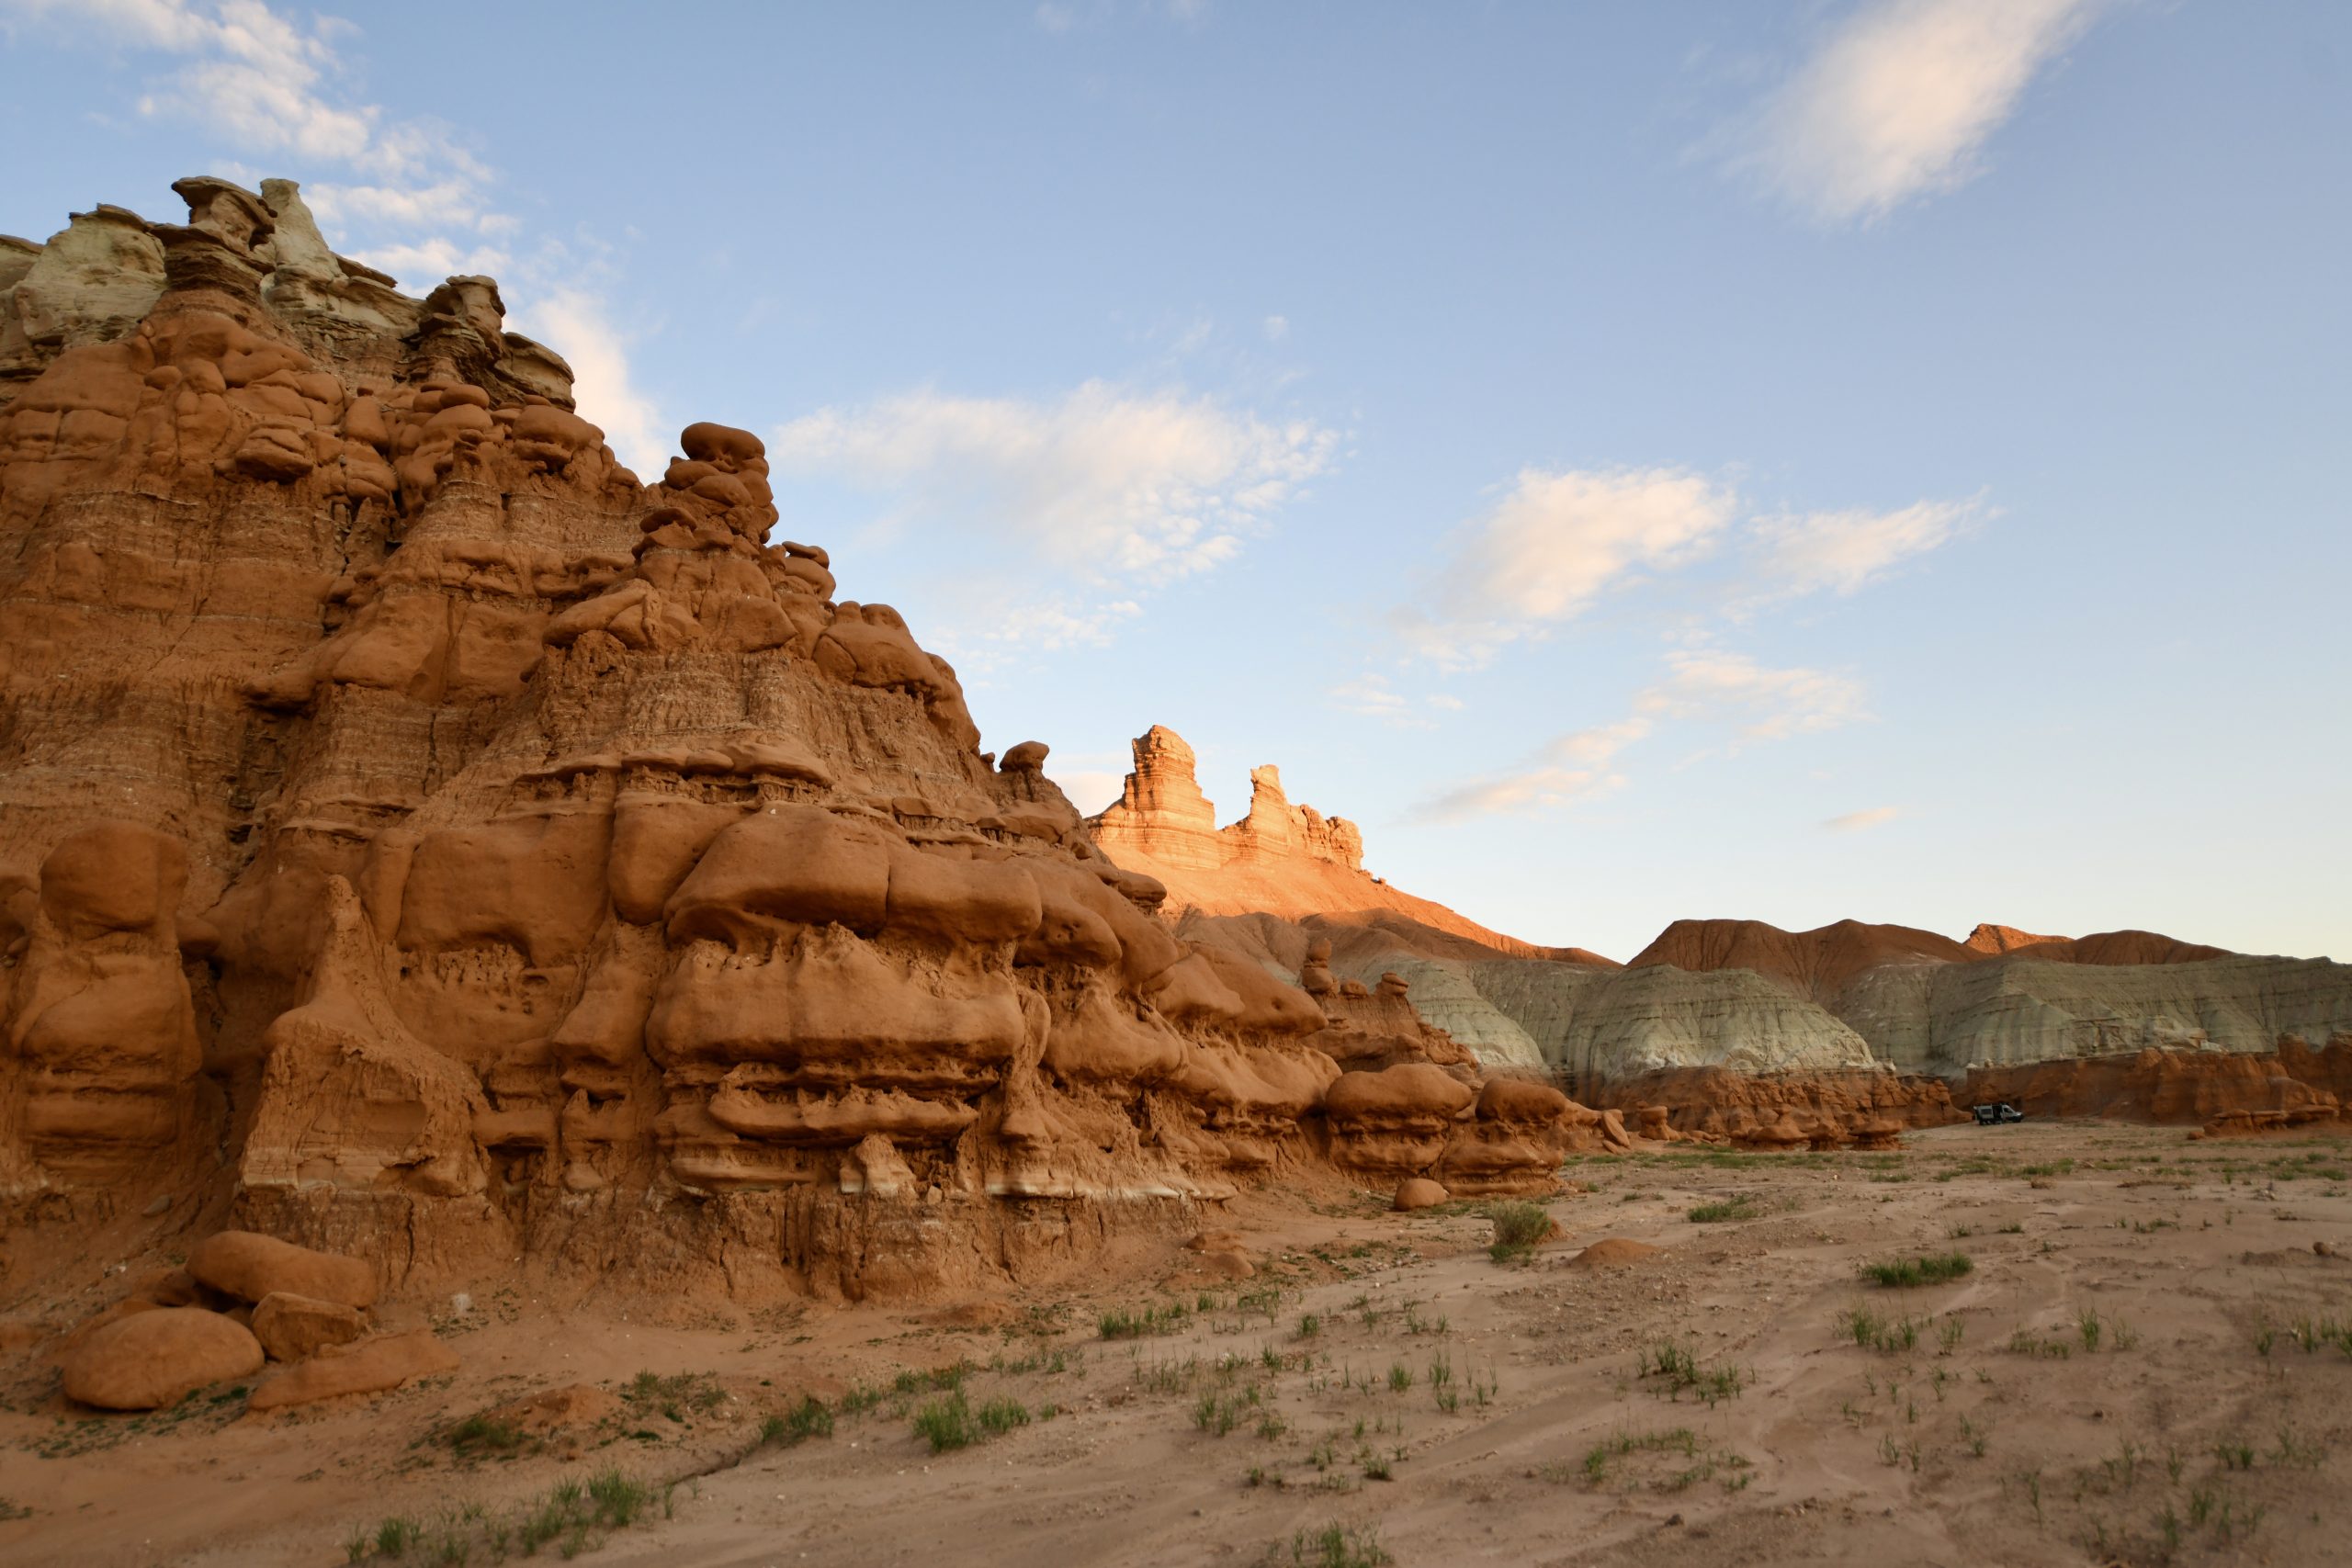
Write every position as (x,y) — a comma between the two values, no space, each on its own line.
(431,842)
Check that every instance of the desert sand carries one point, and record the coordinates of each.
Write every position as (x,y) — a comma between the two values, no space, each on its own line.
(2146,1362)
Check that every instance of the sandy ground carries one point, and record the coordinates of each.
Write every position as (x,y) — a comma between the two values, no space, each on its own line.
(2149,1361)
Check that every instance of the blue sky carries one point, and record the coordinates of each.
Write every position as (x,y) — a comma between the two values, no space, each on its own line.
(1884,459)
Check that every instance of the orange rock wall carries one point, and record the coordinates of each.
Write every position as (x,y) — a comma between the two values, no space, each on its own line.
(420,839)
(2296,1085)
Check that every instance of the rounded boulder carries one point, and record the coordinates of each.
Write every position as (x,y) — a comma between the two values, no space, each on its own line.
(1418,1193)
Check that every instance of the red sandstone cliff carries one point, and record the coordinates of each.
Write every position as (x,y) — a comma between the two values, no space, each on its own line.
(420,838)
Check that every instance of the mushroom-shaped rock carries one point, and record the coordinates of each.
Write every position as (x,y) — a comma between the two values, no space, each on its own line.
(1026,757)
(249,1266)
(1877,1132)
(1784,1133)
(1411,1091)
(1418,1193)
(1521,1102)
(153,1358)
(1315,976)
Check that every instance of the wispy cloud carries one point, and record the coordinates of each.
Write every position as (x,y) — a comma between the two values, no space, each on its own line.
(1702,686)
(1553,545)
(402,194)
(270,84)
(1765,704)
(1371,696)
(1842,552)
(1559,542)
(1899,99)
(578,324)
(1854,821)
(1573,768)
(1107,483)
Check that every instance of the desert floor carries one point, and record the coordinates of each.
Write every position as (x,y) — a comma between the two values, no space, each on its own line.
(2148,1361)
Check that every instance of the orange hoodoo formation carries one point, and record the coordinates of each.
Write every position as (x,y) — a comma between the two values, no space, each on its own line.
(2227,1091)
(420,839)
(1290,861)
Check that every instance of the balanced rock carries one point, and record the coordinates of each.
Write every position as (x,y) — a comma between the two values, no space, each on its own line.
(155,1358)
(250,1266)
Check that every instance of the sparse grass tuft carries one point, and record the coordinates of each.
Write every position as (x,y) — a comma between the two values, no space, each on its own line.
(1938,1269)
(1333,1546)
(1121,1324)
(809,1418)
(1729,1209)
(1678,1368)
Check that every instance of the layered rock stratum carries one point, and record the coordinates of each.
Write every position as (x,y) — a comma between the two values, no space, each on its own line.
(423,840)
(1708,995)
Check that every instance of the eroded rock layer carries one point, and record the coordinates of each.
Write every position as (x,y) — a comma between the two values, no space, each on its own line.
(2226,1091)
(420,839)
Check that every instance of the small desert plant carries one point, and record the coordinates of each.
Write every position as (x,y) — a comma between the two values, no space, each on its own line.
(808,1419)
(1333,1546)
(394,1536)
(999,1417)
(1518,1228)
(481,1434)
(1730,1209)
(1938,1269)
(617,1498)
(946,1424)
(1121,1324)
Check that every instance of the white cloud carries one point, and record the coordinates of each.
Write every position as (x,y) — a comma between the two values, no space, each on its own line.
(447,203)
(1843,551)
(1899,100)
(1370,695)
(1051,626)
(1767,705)
(1853,822)
(1574,767)
(419,266)
(1105,483)
(1277,328)
(574,323)
(265,83)
(1700,685)
(1558,539)
(1554,544)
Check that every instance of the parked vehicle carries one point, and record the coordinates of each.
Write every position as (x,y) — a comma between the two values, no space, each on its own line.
(1993,1115)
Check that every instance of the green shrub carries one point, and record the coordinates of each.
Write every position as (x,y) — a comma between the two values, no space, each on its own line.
(946,1424)
(1518,1228)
